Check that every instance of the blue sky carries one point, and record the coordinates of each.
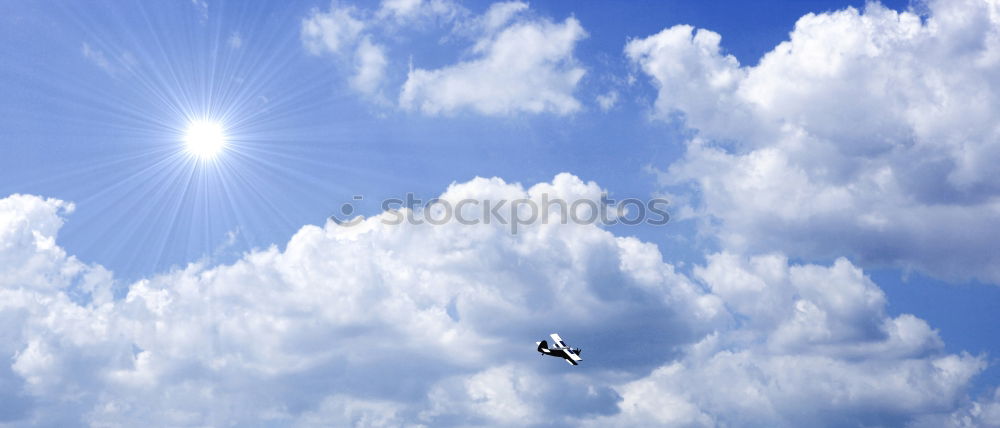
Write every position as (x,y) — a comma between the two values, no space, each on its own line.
(836,171)
(377,150)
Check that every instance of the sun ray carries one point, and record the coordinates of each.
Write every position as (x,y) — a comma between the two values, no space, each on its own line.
(197,138)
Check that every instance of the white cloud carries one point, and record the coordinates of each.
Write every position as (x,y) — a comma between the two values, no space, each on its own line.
(984,412)
(333,31)
(380,325)
(528,66)
(370,60)
(501,396)
(113,65)
(342,34)
(235,41)
(866,134)
(361,321)
(202,7)
(401,8)
(343,410)
(30,258)
(608,100)
(96,56)
(809,344)
(517,64)
(499,15)
(414,11)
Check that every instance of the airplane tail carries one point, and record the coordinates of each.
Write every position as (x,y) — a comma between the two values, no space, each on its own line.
(542,345)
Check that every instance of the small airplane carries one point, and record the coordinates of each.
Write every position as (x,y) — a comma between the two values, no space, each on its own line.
(571,355)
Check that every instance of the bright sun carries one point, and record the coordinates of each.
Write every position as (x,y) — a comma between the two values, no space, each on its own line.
(204,139)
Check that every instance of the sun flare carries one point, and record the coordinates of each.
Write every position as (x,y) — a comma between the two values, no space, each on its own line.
(204,139)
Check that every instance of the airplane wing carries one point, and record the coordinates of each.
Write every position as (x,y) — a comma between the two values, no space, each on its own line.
(558,340)
(571,357)
(561,349)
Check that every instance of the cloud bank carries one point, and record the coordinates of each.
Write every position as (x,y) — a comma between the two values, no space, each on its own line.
(420,325)
(867,134)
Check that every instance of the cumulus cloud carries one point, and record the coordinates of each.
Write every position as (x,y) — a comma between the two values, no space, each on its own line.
(868,134)
(364,322)
(984,412)
(517,66)
(410,325)
(808,345)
